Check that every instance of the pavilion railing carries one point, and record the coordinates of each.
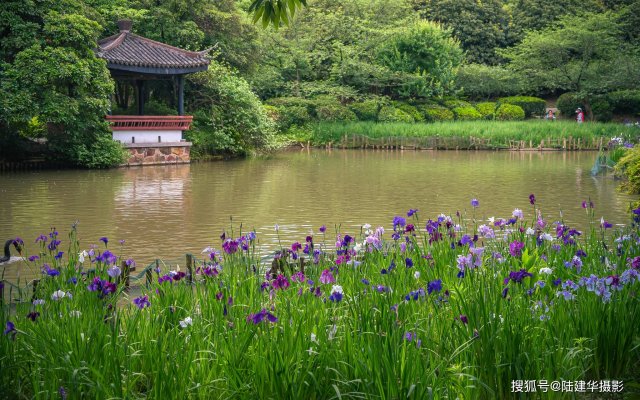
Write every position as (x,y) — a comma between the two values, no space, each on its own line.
(149,122)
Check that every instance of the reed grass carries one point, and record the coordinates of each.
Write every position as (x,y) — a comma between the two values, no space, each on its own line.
(392,335)
(499,132)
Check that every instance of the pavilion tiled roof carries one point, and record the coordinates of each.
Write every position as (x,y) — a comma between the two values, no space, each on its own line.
(128,49)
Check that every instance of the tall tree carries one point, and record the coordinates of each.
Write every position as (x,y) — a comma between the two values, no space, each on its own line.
(58,79)
(481,26)
(582,54)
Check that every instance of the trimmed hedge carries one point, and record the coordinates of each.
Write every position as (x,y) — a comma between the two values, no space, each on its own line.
(509,112)
(601,109)
(409,109)
(487,109)
(467,113)
(625,101)
(567,104)
(392,114)
(530,105)
(455,103)
(436,113)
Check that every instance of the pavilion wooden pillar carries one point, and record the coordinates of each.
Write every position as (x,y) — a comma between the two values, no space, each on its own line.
(180,94)
(140,96)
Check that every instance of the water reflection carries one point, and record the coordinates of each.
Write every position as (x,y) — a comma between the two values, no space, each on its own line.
(167,211)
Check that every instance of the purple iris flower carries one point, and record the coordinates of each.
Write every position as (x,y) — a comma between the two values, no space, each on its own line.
(34,258)
(475,203)
(230,246)
(323,229)
(408,262)
(365,281)
(532,199)
(327,277)
(142,302)
(411,212)
(11,330)
(336,297)
(517,276)
(515,248)
(399,221)
(104,240)
(281,282)
(53,245)
(434,286)
(381,288)
(463,318)
(261,316)
(41,238)
(408,336)
(33,315)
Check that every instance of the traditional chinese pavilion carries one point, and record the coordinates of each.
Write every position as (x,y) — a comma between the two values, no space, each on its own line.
(133,58)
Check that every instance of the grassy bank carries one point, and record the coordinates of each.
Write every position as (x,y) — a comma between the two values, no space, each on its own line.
(492,134)
(421,311)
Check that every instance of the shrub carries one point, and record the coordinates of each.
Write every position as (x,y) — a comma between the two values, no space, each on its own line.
(409,109)
(293,115)
(366,110)
(567,104)
(467,113)
(436,113)
(530,105)
(625,101)
(601,109)
(289,102)
(230,117)
(453,103)
(392,114)
(487,109)
(484,81)
(334,112)
(629,167)
(509,112)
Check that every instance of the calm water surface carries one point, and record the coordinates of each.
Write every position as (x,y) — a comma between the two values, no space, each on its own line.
(166,211)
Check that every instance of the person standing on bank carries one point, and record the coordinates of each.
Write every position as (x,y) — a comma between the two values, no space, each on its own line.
(579,115)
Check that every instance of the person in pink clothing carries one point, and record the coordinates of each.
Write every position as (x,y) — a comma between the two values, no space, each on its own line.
(579,115)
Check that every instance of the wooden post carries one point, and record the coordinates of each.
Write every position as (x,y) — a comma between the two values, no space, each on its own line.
(35,288)
(190,267)
(180,94)
(149,277)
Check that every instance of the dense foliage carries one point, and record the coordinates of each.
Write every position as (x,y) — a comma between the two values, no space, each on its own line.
(333,60)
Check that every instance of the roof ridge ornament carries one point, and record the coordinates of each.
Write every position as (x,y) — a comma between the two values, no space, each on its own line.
(124,25)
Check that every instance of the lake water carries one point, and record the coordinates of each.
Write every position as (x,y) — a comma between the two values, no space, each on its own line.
(167,211)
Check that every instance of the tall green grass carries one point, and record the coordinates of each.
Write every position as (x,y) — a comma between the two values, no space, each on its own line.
(468,340)
(500,132)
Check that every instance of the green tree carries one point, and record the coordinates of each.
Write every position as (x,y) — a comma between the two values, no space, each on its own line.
(479,81)
(582,54)
(536,15)
(59,80)
(229,117)
(481,26)
(426,50)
